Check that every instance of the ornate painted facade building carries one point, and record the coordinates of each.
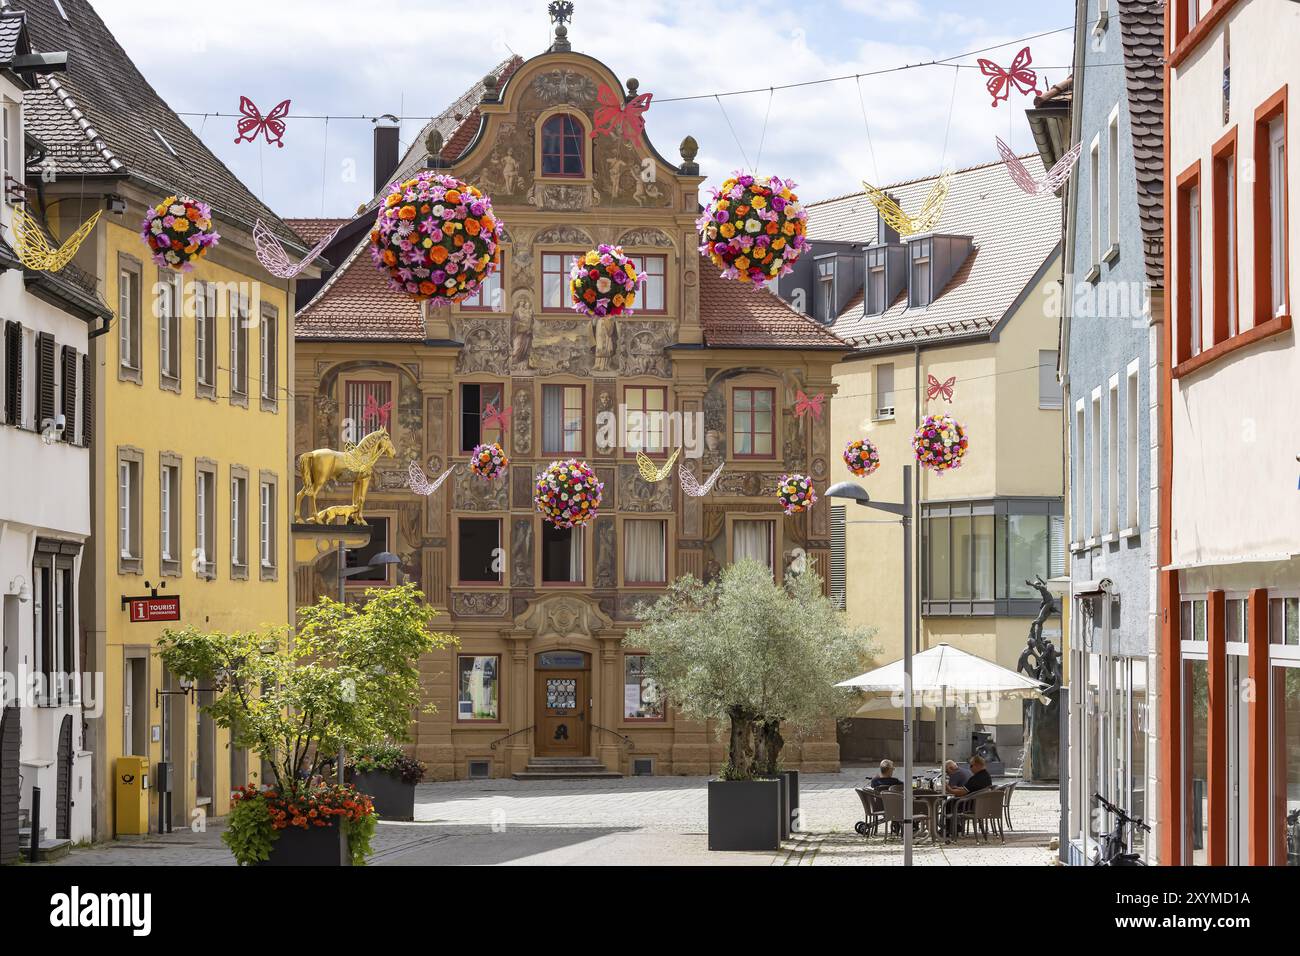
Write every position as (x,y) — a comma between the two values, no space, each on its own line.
(707,365)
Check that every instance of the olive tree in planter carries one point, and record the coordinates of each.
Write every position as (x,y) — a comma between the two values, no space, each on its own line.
(346,675)
(760,656)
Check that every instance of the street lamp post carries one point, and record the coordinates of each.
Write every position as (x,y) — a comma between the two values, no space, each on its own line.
(383,560)
(855,492)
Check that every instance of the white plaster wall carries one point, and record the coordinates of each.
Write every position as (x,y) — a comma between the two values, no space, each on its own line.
(1235,494)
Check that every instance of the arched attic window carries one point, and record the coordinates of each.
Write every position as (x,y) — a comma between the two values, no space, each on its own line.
(563,146)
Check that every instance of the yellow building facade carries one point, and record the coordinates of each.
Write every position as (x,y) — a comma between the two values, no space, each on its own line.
(191,471)
(975,336)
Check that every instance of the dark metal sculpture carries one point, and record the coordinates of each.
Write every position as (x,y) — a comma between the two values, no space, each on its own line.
(1041,661)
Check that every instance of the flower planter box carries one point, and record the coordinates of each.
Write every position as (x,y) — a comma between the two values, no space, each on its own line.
(745,814)
(393,798)
(314,846)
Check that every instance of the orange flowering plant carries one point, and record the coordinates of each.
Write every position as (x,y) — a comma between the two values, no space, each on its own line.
(347,675)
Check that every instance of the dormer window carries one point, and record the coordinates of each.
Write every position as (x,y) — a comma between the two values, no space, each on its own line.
(919,292)
(826,290)
(563,144)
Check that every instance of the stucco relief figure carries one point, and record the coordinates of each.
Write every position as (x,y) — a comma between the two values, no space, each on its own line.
(1041,661)
(605,333)
(646,193)
(521,340)
(510,174)
(616,167)
(319,467)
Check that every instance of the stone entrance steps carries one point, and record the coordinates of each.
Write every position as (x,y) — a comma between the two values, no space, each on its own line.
(566,768)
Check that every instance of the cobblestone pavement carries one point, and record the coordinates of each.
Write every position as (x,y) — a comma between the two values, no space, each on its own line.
(641,821)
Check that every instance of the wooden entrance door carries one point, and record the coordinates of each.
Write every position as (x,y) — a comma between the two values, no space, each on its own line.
(562,719)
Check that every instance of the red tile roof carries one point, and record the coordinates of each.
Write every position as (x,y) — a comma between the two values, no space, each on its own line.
(740,315)
(313,230)
(356,303)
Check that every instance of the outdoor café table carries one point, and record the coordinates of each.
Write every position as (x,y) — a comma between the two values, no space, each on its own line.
(933,806)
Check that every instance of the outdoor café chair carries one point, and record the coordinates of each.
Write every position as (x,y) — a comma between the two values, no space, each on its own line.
(1007,792)
(983,810)
(873,812)
(892,800)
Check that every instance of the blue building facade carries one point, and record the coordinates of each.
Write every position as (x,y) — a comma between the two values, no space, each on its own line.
(1108,366)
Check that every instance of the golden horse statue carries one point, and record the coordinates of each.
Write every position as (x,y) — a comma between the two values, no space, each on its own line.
(323,465)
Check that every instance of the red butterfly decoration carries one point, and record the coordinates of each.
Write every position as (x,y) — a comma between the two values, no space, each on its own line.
(803,404)
(374,410)
(271,125)
(1018,75)
(613,116)
(499,419)
(937,388)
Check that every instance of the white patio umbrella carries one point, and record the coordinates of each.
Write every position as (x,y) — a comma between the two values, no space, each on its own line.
(936,672)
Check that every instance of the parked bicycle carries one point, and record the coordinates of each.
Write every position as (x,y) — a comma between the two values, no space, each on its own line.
(1114,845)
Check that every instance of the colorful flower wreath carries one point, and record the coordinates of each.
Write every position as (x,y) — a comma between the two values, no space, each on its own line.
(436,238)
(603,282)
(568,493)
(179,230)
(861,456)
(940,443)
(488,461)
(796,493)
(753,229)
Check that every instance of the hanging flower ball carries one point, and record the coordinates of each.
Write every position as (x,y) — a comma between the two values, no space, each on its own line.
(436,238)
(603,282)
(488,461)
(178,231)
(796,493)
(861,456)
(568,493)
(753,229)
(940,443)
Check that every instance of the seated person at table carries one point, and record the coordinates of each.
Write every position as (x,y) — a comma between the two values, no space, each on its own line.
(885,779)
(957,776)
(978,780)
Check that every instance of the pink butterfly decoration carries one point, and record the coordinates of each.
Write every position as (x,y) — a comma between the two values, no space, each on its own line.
(1055,178)
(271,252)
(613,116)
(937,388)
(419,482)
(374,410)
(803,404)
(492,418)
(1018,75)
(691,485)
(253,122)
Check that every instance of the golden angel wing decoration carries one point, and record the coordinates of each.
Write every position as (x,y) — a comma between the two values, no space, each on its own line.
(647,466)
(925,220)
(35,250)
(692,486)
(419,482)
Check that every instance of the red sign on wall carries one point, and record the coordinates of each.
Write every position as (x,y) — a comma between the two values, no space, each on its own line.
(148,609)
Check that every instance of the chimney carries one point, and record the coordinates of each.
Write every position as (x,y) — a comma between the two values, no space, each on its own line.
(387,128)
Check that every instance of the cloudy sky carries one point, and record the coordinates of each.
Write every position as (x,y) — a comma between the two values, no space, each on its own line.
(412,58)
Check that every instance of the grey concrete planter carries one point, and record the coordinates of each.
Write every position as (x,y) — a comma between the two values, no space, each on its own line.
(745,814)
(393,798)
(314,846)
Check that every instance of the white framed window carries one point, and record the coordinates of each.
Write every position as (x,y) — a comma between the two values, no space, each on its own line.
(919,293)
(1112,180)
(876,289)
(269,356)
(885,391)
(1230,240)
(205,520)
(238,306)
(266,525)
(238,519)
(652,294)
(1277,214)
(6,148)
(1194,268)
(1097,470)
(1050,393)
(1094,198)
(167,506)
(169,303)
(128,497)
(128,318)
(1079,491)
(1134,449)
(1113,461)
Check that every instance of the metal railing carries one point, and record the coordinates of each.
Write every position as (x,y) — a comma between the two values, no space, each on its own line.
(623,737)
(493,745)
